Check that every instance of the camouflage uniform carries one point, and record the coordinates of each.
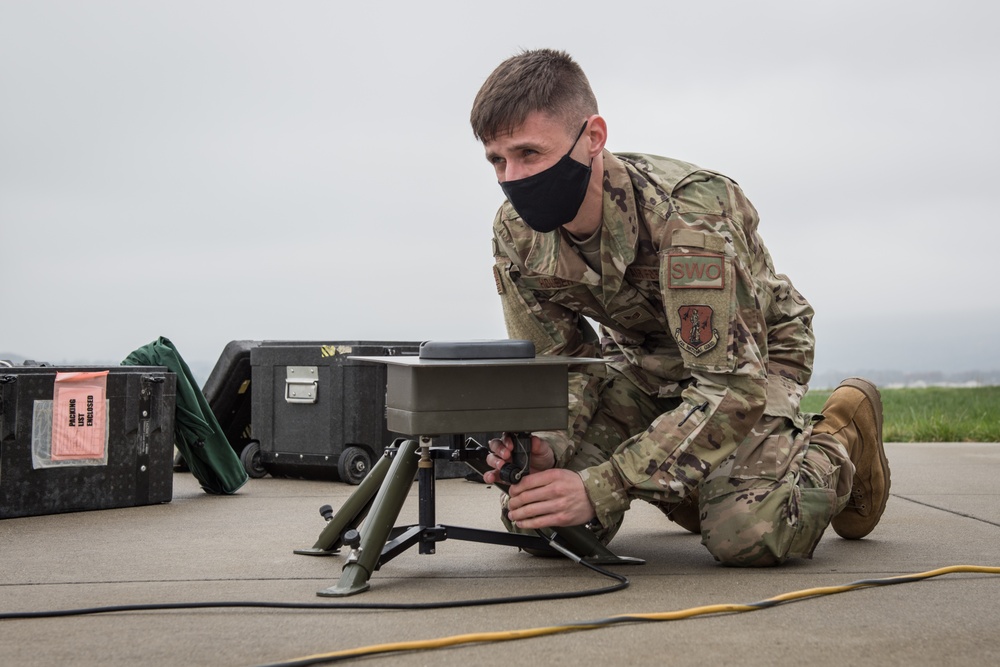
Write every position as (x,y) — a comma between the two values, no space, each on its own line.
(709,354)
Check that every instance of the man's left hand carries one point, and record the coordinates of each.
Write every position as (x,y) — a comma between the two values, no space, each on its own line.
(548,499)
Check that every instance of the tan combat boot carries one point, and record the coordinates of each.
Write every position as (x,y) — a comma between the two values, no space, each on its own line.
(853,415)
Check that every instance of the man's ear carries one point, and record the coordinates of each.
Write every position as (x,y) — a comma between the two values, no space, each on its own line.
(597,132)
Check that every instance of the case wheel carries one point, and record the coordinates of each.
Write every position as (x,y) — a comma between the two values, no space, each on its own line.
(250,457)
(353,464)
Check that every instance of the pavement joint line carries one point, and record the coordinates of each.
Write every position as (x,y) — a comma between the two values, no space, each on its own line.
(949,511)
(111,582)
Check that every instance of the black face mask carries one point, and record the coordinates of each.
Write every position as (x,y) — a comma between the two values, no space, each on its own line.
(551,198)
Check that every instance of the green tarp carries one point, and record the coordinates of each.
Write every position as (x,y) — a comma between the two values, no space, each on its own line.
(197,434)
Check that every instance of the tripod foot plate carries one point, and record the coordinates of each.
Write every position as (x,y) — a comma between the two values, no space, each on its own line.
(313,551)
(614,560)
(340,592)
(353,580)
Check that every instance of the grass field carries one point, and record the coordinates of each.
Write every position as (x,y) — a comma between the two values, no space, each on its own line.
(933,414)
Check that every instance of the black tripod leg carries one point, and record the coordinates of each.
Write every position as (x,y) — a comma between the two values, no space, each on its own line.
(583,543)
(578,539)
(381,518)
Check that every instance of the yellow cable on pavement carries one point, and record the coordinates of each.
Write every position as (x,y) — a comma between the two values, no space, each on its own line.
(510,635)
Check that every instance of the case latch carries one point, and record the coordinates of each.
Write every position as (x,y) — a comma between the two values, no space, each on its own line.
(301,384)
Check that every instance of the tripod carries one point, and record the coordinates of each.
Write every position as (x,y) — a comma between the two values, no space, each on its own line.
(446,396)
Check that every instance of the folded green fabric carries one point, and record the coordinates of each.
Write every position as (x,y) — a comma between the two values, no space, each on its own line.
(197,434)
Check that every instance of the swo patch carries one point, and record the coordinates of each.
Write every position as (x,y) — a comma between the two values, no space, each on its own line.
(696,271)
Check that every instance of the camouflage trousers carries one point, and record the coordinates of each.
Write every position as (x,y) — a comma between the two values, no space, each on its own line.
(769,500)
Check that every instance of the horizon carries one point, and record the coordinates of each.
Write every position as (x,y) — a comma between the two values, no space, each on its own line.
(885,378)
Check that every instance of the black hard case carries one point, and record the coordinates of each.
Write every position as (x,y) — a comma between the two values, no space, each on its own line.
(338,410)
(317,440)
(229,392)
(139,470)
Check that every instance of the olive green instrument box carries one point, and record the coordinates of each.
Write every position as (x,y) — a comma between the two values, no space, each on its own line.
(319,413)
(125,459)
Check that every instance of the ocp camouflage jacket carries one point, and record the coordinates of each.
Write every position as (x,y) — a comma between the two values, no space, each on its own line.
(688,304)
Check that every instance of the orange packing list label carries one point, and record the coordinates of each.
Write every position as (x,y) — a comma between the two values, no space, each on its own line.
(79,416)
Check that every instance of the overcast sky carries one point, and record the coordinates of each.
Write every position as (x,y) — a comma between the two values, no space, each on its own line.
(305,170)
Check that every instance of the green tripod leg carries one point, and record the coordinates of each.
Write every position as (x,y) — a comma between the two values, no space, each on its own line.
(351,513)
(382,516)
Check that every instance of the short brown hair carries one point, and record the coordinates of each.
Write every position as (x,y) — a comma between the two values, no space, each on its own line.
(539,80)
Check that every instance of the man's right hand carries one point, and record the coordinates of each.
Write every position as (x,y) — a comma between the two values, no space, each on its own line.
(501,452)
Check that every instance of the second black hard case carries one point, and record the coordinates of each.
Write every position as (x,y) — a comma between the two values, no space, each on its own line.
(318,413)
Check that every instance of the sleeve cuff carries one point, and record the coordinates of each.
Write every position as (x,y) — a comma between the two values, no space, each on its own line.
(561,444)
(606,492)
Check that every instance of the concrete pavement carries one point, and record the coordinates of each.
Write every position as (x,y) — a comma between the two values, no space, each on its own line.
(944,510)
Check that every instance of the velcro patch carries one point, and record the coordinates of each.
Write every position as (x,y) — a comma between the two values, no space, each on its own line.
(696,271)
(695,239)
(550,282)
(644,273)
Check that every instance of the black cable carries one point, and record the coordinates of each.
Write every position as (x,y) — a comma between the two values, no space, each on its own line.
(411,606)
